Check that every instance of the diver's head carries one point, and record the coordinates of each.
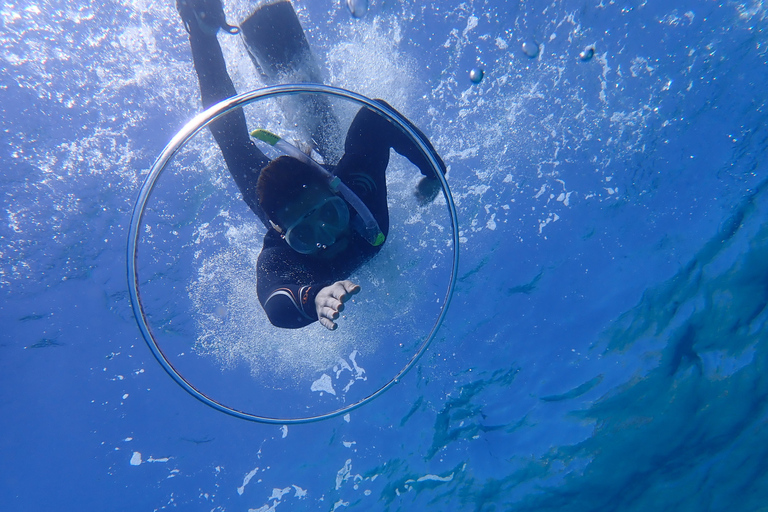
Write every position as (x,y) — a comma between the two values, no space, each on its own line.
(301,206)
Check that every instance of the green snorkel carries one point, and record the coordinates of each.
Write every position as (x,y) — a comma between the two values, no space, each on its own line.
(364,223)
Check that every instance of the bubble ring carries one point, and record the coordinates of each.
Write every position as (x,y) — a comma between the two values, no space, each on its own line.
(199,122)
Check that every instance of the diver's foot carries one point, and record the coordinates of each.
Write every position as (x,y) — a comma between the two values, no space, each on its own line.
(206,14)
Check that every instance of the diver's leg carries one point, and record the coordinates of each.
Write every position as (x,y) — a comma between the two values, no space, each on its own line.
(277,44)
(280,50)
(244,160)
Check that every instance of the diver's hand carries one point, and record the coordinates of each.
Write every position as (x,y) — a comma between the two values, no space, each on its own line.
(330,301)
(427,190)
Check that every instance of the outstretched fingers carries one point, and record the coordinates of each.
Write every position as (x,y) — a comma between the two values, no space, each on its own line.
(326,315)
(327,324)
(330,302)
(349,288)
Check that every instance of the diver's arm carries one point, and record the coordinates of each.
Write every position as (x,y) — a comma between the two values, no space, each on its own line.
(369,128)
(290,306)
(285,287)
(369,140)
(405,146)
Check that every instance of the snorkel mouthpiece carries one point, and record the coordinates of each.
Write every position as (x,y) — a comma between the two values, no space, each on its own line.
(365,224)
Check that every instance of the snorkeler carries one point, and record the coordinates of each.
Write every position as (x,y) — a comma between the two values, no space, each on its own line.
(316,218)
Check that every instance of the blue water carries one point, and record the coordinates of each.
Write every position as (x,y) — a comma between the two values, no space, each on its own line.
(605,348)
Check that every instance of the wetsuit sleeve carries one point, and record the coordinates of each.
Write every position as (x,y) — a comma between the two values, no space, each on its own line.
(243,158)
(372,133)
(286,286)
(366,156)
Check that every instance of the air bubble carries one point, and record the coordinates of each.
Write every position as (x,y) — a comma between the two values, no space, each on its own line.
(587,53)
(531,48)
(357,8)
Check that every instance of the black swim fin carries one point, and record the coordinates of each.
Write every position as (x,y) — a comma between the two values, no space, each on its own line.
(207,14)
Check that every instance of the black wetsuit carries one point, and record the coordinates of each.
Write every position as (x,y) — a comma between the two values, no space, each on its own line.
(287,281)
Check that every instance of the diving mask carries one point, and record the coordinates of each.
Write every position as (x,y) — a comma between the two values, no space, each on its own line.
(319,227)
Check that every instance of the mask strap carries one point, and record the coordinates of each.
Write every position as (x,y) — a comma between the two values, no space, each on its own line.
(276,227)
(367,227)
